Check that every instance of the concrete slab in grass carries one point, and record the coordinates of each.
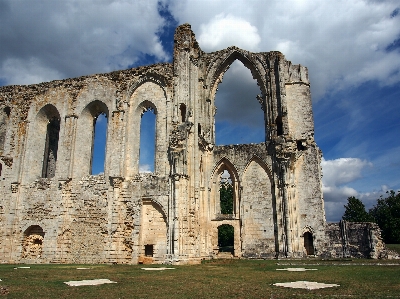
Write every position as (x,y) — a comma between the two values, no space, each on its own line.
(308,285)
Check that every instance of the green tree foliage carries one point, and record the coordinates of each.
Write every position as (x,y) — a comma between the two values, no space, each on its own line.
(226,198)
(355,211)
(387,214)
(225,235)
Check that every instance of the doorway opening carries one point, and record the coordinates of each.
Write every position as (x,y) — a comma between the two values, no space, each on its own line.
(148,250)
(226,237)
(309,243)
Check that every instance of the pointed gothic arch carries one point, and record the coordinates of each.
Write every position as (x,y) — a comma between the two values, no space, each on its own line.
(4,120)
(215,205)
(43,140)
(84,141)
(153,232)
(258,206)
(147,95)
(308,240)
(219,67)
(259,161)
(156,79)
(217,70)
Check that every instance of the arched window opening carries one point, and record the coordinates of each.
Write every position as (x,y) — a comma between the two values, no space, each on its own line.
(33,242)
(226,193)
(226,238)
(279,126)
(239,118)
(199,129)
(1,168)
(4,117)
(182,109)
(51,148)
(99,143)
(90,147)
(147,141)
(309,243)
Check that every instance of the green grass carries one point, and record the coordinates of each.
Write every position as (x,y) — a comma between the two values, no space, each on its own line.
(212,279)
(394,247)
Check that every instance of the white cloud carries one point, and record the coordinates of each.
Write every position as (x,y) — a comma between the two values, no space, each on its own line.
(50,40)
(228,30)
(341,42)
(341,171)
(32,70)
(236,98)
(145,168)
(336,175)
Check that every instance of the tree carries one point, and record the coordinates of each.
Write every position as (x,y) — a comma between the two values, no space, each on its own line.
(387,215)
(225,235)
(355,211)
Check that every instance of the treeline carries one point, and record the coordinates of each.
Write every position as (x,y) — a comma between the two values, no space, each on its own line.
(386,213)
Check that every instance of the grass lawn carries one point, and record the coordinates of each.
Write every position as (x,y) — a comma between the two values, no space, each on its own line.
(394,247)
(212,279)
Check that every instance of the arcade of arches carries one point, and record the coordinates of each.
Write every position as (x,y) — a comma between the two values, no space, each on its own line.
(198,200)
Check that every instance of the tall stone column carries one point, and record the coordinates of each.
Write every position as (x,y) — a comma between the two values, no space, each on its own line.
(115,150)
(65,163)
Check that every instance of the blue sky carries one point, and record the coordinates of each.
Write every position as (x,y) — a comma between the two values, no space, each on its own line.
(351,48)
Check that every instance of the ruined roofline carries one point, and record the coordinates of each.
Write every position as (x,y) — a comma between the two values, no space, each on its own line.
(240,50)
(118,76)
(181,29)
(241,145)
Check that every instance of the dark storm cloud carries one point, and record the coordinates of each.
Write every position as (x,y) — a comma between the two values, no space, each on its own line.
(43,39)
(236,98)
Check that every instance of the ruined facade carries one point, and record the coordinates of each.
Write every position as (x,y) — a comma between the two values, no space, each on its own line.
(53,210)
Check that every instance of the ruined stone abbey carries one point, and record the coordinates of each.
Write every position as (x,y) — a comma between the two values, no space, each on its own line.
(52,209)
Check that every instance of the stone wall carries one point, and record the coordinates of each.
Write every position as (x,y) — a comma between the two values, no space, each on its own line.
(354,239)
(52,209)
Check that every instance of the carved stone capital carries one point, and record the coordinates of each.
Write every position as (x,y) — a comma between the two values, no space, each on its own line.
(179,176)
(116,181)
(7,161)
(204,145)
(63,184)
(41,183)
(14,187)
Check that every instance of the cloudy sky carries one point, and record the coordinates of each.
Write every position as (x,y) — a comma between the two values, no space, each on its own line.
(351,48)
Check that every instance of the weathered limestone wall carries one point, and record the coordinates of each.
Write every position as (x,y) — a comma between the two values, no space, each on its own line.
(258,210)
(52,209)
(354,239)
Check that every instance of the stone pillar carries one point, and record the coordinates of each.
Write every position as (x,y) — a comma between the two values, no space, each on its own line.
(115,153)
(66,148)
(286,216)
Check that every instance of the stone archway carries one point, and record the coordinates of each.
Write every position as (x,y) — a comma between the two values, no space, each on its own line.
(153,238)
(32,246)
